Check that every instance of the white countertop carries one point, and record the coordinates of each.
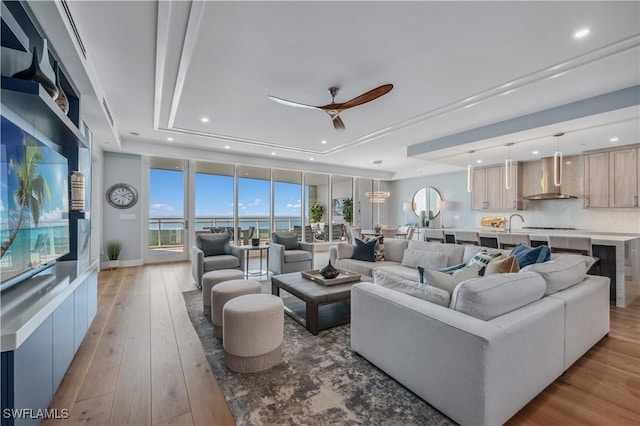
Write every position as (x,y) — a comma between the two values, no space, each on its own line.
(27,305)
(597,237)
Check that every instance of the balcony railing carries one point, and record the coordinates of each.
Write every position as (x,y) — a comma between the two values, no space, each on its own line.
(166,232)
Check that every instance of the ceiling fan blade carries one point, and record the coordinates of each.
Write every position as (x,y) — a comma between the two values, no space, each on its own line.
(338,123)
(291,103)
(367,97)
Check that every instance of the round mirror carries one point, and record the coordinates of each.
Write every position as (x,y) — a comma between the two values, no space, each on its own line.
(427,200)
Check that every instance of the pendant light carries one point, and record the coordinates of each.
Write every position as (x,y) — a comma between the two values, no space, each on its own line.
(557,162)
(508,168)
(470,173)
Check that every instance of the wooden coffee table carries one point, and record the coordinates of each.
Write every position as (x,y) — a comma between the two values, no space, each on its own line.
(321,306)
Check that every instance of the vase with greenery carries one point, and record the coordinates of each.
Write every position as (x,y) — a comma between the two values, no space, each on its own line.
(113,253)
(316,211)
(347,210)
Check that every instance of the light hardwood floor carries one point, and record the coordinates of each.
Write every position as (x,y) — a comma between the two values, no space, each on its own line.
(141,363)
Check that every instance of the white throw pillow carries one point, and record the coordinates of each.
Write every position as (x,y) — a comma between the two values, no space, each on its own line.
(427,259)
(562,272)
(412,288)
(494,295)
(448,282)
(483,257)
(345,251)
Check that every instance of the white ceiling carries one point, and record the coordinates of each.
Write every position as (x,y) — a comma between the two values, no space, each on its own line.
(455,66)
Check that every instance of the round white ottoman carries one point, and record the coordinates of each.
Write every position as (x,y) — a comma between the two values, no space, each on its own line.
(225,291)
(253,332)
(211,278)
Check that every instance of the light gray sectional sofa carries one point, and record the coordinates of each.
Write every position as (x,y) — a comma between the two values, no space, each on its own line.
(494,345)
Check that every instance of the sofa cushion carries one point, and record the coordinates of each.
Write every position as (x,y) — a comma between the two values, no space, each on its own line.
(529,255)
(394,249)
(290,242)
(400,271)
(412,288)
(562,272)
(483,257)
(344,251)
(364,251)
(213,244)
(502,266)
(223,261)
(413,258)
(448,282)
(291,256)
(453,252)
(361,267)
(494,295)
(379,251)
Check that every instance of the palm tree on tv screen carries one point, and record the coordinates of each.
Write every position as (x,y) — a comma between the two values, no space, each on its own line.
(32,188)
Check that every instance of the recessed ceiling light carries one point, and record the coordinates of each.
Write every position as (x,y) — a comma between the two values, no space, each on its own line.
(535,152)
(478,161)
(227,147)
(324,142)
(205,119)
(273,153)
(614,140)
(170,139)
(310,158)
(581,33)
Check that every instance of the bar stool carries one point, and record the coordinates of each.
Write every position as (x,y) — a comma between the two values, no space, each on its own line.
(576,245)
(467,237)
(508,241)
(434,235)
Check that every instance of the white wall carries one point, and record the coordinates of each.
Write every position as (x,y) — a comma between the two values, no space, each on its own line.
(124,168)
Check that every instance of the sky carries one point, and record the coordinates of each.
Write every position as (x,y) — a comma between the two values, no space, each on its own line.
(214,196)
(53,169)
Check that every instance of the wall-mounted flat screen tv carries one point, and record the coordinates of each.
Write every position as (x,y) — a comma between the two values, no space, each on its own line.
(34,212)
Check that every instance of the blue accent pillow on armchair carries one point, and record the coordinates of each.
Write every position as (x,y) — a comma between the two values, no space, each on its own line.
(529,255)
(364,251)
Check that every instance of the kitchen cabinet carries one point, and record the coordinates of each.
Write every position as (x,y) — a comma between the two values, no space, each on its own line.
(612,178)
(489,191)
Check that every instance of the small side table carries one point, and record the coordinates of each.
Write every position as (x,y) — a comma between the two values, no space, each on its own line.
(247,249)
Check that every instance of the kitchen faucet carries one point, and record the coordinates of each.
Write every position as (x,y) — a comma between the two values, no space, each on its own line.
(509,226)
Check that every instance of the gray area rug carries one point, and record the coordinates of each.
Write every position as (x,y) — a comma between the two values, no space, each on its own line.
(320,381)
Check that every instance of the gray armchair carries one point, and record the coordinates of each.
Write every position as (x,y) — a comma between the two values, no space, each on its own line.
(213,252)
(287,254)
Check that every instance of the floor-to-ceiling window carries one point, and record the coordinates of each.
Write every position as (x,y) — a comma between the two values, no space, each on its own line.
(167,218)
(287,200)
(316,203)
(254,200)
(362,206)
(341,212)
(213,196)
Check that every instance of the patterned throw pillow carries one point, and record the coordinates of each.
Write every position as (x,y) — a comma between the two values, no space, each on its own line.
(483,257)
(379,247)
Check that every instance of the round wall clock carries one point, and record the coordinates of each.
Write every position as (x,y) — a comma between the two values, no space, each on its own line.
(122,196)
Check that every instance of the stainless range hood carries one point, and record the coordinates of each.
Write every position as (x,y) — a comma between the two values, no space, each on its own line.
(548,189)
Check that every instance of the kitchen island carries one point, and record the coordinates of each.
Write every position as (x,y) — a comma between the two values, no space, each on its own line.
(619,255)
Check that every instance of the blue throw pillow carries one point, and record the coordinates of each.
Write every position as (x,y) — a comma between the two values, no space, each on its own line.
(529,255)
(452,269)
(364,251)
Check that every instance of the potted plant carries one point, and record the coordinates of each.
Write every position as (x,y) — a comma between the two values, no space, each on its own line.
(316,211)
(113,253)
(347,210)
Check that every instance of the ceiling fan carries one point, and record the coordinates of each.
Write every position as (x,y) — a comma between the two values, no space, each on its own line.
(334,109)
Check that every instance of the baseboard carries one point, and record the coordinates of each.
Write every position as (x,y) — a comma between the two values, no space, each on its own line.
(124,263)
